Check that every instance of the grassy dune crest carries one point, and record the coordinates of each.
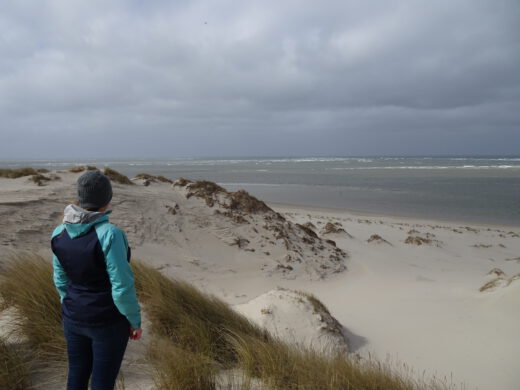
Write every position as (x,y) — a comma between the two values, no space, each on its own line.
(20,172)
(197,340)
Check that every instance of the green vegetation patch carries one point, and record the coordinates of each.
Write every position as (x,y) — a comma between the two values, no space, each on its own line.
(20,172)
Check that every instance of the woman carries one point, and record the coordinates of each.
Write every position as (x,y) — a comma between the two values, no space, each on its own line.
(96,287)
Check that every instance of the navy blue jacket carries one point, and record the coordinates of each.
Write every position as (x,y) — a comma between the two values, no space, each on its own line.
(92,272)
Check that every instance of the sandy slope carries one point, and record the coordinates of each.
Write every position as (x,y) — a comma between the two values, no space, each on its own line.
(418,304)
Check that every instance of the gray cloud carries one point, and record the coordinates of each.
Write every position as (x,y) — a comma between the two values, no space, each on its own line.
(132,78)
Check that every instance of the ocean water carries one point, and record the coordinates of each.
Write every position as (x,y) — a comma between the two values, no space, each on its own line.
(457,188)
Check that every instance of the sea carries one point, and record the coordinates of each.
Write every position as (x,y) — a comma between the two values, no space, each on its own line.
(472,189)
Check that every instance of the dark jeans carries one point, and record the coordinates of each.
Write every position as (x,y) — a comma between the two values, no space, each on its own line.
(96,352)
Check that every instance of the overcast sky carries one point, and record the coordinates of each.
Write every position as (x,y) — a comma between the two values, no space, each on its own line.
(168,79)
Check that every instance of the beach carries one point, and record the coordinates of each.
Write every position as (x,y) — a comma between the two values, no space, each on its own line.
(434,297)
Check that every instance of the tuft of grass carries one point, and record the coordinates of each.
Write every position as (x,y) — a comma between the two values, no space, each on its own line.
(153,178)
(82,168)
(417,240)
(242,201)
(318,305)
(182,182)
(377,239)
(20,172)
(117,177)
(164,179)
(13,371)
(179,369)
(39,179)
(331,228)
(26,285)
(481,246)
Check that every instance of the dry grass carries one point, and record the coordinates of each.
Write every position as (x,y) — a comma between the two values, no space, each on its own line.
(283,367)
(377,239)
(481,246)
(331,228)
(204,189)
(82,168)
(417,240)
(195,338)
(26,284)
(116,176)
(153,178)
(242,201)
(39,179)
(318,305)
(20,172)
(194,321)
(112,174)
(182,182)
(179,369)
(13,371)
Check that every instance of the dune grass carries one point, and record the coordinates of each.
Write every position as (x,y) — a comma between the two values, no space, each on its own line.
(82,168)
(195,339)
(199,336)
(191,319)
(13,371)
(116,176)
(287,367)
(153,178)
(180,369)
(20,172)
(26,284)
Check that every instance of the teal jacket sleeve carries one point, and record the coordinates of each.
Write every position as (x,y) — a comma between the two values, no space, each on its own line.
(59,277)
(115,249)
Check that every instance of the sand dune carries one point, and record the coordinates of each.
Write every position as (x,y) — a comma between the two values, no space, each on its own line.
(297,318)
(402,288)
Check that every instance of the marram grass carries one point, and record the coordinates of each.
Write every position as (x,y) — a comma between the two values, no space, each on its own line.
(13,371)
(197,340)
(26,285)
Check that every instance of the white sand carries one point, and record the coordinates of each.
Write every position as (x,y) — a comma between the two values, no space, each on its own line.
(419,305)
(296,318)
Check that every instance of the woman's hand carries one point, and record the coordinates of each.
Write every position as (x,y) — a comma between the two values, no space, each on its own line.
(135,334)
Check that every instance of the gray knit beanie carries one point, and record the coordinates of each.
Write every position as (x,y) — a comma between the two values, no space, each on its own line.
(94,190)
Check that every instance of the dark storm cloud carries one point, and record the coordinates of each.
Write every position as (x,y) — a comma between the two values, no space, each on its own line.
(198,78)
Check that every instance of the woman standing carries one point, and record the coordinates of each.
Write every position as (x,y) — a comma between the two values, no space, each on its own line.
(96,287)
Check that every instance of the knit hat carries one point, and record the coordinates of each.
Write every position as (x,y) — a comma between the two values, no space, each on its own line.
(94,190)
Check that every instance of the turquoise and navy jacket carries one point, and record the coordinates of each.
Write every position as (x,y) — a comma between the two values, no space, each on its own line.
(92,271)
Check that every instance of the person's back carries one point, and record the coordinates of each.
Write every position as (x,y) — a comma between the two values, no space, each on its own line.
(96,286)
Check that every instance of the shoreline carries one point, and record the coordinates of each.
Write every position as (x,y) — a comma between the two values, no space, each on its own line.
(378,214)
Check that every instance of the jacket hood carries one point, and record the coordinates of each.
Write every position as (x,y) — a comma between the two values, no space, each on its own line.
(79,221)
